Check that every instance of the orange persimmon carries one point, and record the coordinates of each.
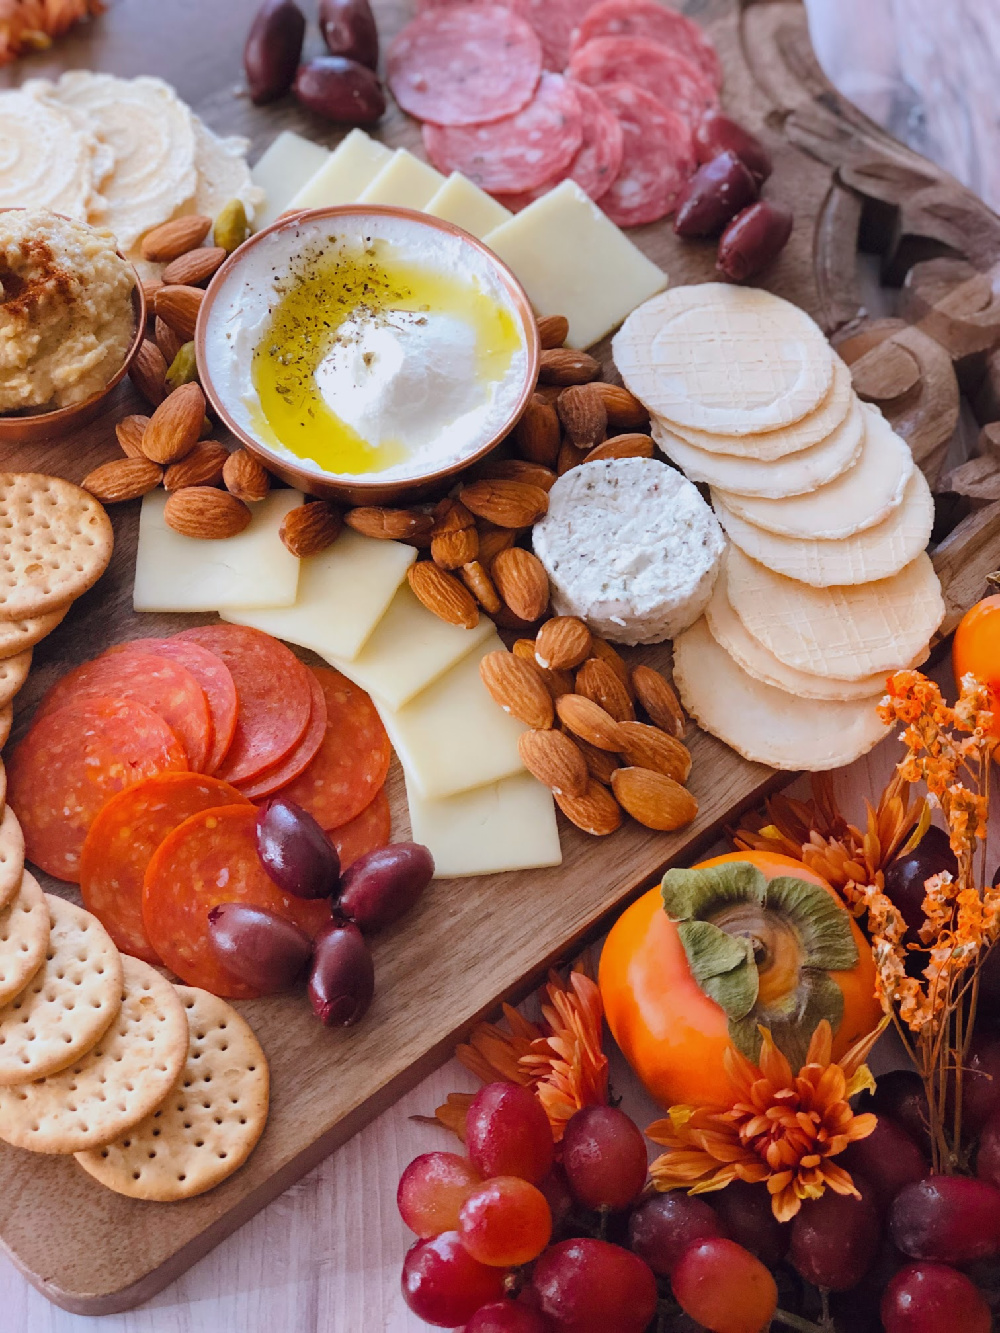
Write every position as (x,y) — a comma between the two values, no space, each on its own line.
(976,649)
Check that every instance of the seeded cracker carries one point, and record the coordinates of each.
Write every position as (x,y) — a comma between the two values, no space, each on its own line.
(24,937)
(11,857)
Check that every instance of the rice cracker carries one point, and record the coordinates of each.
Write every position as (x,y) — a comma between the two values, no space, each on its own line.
(24,937)
(11,856)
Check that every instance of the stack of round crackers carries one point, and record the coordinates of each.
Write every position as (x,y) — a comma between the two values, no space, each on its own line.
(826,587)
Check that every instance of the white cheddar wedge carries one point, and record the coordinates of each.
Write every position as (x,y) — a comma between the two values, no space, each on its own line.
(349,169)
(452,736)
(509,825)
(404,182)
(467,206)
(288,165)
(572,260)
(343,594)
(408,650)
(175,573)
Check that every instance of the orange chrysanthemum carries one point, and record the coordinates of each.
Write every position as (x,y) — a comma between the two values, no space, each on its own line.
(30,25)
(782,1129)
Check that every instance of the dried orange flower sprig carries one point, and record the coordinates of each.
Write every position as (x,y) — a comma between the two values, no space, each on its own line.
(31,25)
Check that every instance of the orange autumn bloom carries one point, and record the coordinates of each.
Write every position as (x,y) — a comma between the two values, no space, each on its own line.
(782,1129)
(30,25)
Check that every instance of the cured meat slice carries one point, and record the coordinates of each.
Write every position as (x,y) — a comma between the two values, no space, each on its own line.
(659,157)
(121,843)
(520,152)
(554,21)
(209,859)
(656,22)
(353,760)
(465,64)
(71,763)
(371,829)
(274,693)
(300,758)
(660,71)
(166,687)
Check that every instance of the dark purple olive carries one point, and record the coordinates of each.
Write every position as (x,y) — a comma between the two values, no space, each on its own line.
(906,875)
(717,134)
(258,947)
(349,30)
(342,980)
(273,49)
(753,239)
(295,851)
(715,193)
(382,886)
(341,90)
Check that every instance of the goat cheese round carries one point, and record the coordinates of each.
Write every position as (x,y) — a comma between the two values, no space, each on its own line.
(631,548)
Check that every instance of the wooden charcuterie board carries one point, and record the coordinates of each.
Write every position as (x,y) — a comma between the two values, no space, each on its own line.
(473,942)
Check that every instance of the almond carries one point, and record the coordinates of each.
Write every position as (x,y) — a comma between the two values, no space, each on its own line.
(194,267)
(492,541)
(169,342)
(590,721)
(601,764)
(625,412)
(129,432)
(582,413)
(506,619)
(564,365)
(508,504)
(553,330)
(310,528)
(569,457)
(479,583)
(601,649)
(649,747)
(454,539)
(595,812)
(597,681)
(522,582)
(563,642)
(517,469)
(148,372)
(442,594)
(623,446)
(652,799)
(556,682)
(537,435)
(557,763)
(517,687)
(175,426)
(122,479)
(203,466)
(659,700)
(204,512)
(178,306)
(149,289)
(245,477)
(393,525)
(174,238)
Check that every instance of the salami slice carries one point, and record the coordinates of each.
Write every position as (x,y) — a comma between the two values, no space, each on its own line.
(659,70)
(656,22)
(596,166)
(300,758)
(209,859)
(274,693)
(659,157)
(554,21)
(520,152)
(71,763)
(353,760)
(465,64)
(121,843)
(371,829)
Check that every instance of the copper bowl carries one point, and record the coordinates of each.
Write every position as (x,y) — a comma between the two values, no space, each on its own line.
(361,491)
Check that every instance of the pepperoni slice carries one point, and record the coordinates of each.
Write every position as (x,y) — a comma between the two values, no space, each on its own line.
(300,758)
(657,23)
(659,157)
(121,843)
(371,829)
(72,761)
(554,21)
(520,152)
(464,64)
(353,760)
(209,859)
(659,70)
(274,693)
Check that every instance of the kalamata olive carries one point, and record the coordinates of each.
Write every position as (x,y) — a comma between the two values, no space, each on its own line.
(342,980)
(717,134)
(257,946)
(753,239)
(382,886)
(273,49)
(716,192)
(349,29)
(340,89)
(295,851)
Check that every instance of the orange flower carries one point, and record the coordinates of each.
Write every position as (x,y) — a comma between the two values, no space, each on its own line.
(30,25)
(781,1128)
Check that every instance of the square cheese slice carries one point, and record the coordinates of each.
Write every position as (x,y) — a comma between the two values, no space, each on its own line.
(572,260)
(507,825)
(285,167)
(175,573)
(349,169)
(467,206)
(452,736)
(343,594)
(404,182)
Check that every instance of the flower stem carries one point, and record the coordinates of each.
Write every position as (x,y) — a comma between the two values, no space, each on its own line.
(795,1321)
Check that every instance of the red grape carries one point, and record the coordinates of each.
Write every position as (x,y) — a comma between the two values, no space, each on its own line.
(444,1285)
(604,1157)
(905,877)
(556,1189)
(951,1219)
(508,1134)
(662,1228)
(724,1287)
(432,1189)
(835,1239)
(988,1157)
(858,1309)
(505,1222)
(591,1286)
(929,1298)
(888,1159)
(748,1219)
(981,1084)
(900,1096)
(507,1317)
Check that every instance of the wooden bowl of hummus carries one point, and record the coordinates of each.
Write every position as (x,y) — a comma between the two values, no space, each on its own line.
(367,354)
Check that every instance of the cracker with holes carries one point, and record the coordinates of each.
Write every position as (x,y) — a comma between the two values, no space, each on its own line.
(210,1123)
(119,1082)
(16,635)
(70,1002)
(13,674)
(6,722)
(24,937)
(11,858)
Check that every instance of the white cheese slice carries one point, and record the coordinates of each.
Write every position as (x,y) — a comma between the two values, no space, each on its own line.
(562,236)
(343,594)
(452,736)
(175,573)
(404,182)
(289,163)
(352,166)
(467,206)
(509,825)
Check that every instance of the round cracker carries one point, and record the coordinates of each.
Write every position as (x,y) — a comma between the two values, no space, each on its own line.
(11,857)
(57,540)
(16,635)
(123,1079)
(6,722)
(13,674)
(70,1002)
(24,937)
(208,1126)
